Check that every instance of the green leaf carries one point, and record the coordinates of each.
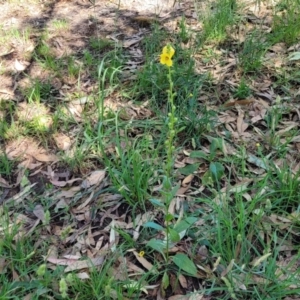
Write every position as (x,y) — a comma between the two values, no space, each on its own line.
(153,225)
(207,179)
(294,56)
(189,169)
(157,202)
(184,263)
(165,280)
(217,170)
(175,190)
(185,224)
(198,154)
(167,184)
(216,143)
(158,245)
(174,235)
(169,217)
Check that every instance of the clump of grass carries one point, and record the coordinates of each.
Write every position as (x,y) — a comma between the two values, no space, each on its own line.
(46,58)
(243,90)
(250,57)
(38,91)
(6,165)
(60,24)
(100,44)
(132,171)
(184,35)
(216,22)
(286,23)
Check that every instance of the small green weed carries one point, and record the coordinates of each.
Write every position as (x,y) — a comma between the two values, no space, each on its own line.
(39,91)
(251,55)
(46,58)
(243,90)
(73,67)
(216,22)
(77,159)
(60,24)
(6,165)
(20,34)
(183,33)
(88,58)
(286,23)
(100,44)
(132,170)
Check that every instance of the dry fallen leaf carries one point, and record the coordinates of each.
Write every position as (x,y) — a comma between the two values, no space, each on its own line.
(63,183)
(83,275)
(45,157)
(85,203)
(183,281)
(4,183)
(39,212)
(62,261)
(20,66)
(241,125)
(145,263)
(83,264)
(63,142)
(95,178)
(187,180)
(188,297)
(75,264)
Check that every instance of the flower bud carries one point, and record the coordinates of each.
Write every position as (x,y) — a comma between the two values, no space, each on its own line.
(41,270)
(63,288)
(268,204)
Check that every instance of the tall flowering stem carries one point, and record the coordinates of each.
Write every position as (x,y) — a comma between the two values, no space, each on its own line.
(166,59)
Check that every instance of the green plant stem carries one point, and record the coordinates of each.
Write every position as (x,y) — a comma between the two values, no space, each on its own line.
(171,124)
(170,154)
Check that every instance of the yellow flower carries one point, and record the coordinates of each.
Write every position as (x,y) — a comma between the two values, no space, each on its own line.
(142,253)
(166,60)
(166,56)
(168,50)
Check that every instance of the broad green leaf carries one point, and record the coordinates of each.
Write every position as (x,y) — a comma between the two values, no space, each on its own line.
(189,169)
(198,154)
(158,245)
(153,225)
(184,263)
(157,202)
(217,170)
(174,236)
(185,224)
